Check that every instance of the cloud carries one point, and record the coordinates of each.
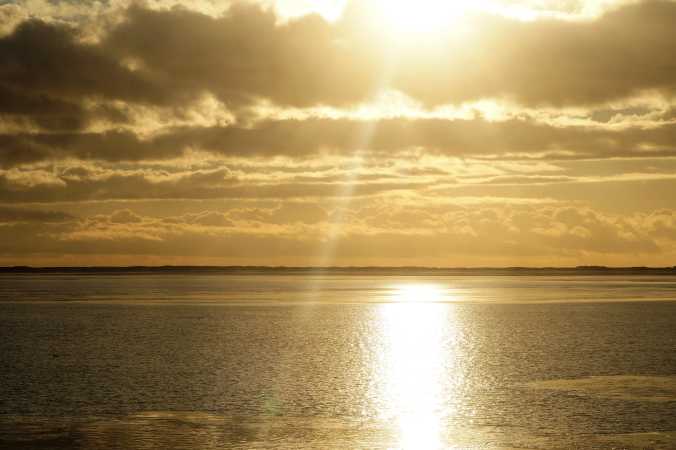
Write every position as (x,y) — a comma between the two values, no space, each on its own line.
(303,138)
(10,16)
(661,223)
(168,132)
(175,56)
(548,62)
(125,216)
(49,59)
(424,174)
(40,186)
(82,184)
(14,215)
(392,232)
(552,62)
(245,55)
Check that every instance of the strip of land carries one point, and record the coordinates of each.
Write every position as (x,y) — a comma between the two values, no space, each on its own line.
(380,271)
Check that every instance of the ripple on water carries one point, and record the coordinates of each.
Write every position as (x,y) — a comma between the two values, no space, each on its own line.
(619,387)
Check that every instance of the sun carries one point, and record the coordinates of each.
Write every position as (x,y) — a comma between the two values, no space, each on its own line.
(411,17)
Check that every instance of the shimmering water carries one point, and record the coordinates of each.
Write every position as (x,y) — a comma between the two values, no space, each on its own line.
(260,361)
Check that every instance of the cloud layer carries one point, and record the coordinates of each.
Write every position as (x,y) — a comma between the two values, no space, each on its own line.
(149,131)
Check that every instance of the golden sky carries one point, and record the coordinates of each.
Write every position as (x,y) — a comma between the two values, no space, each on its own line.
(337,132)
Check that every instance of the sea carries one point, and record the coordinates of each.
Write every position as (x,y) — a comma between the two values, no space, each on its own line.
(337,360)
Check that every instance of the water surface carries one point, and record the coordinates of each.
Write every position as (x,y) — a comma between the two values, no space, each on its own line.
(264,361)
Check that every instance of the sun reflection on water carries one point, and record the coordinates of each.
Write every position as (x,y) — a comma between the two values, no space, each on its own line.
(416,332)
(417,292)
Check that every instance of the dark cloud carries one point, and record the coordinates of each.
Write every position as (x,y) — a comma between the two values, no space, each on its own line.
(47,73)
(197,185)
(21,148)
(172,57)
(550,62)
(11,214)
(245,56)
(49,59)
(115,185)
(302,138)
(41,110)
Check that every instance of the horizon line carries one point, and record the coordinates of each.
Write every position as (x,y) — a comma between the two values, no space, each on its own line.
(319,268)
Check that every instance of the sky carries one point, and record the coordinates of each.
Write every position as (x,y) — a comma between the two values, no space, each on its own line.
(338,132)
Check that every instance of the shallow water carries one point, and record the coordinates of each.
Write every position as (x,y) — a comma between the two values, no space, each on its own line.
(211,361)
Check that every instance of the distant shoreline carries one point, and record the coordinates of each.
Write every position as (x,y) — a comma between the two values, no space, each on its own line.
(383,271)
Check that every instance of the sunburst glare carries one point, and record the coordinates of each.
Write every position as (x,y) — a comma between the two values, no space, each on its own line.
(406,17)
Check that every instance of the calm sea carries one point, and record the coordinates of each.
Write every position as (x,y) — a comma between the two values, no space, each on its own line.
(163,361)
